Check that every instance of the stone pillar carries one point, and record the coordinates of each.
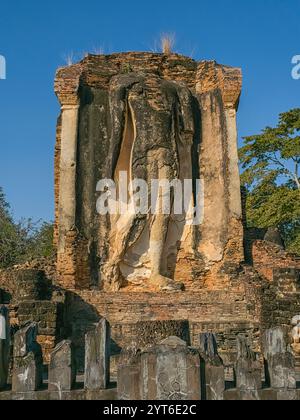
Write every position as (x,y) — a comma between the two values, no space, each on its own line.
(62,368)
(170,371)
(28,361)
(129,375)
(49,317)
(280,362)
(248,371)
(212,369)
(97,357)
(4,346)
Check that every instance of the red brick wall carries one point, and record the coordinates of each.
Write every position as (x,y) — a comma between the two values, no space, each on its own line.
(267,257)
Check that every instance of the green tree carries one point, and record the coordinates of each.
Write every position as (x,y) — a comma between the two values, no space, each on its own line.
(271,163)
(4,206)
(40,241)
(10,239)
(22,241)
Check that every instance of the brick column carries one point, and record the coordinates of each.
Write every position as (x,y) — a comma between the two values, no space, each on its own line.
(67,185)
(218,89)
(67,84)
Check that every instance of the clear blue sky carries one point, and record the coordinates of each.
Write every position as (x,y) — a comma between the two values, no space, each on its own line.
(261,36)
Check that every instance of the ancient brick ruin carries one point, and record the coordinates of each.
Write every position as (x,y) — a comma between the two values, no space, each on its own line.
(133,294)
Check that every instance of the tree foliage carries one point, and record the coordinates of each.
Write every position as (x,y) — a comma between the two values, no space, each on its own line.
(271,174)
(22,241)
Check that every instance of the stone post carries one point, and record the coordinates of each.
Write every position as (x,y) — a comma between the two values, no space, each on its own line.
(129,375)
(248,371)
(62,368)
(28,361)
(212,369)
(280,362)
(170,371)
(97,357)
(4,346)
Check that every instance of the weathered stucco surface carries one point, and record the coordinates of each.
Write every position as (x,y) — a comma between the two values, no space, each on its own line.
(156,117)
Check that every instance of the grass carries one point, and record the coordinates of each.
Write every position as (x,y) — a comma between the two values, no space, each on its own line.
(167,42)
(69,58)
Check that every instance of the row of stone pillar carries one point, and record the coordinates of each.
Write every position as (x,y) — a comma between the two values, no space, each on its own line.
(172,370)
(27,372)
(62,368)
